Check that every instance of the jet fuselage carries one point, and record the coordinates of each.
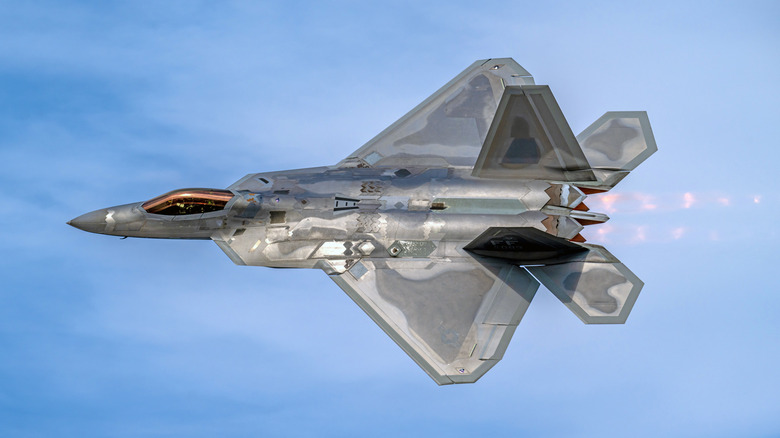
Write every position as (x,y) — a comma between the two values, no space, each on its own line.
(297,218)
(443,226)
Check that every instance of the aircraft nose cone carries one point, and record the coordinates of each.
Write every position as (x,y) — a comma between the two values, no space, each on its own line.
(94,221)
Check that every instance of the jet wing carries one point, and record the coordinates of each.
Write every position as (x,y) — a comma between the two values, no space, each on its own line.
(453,316)
(448,128)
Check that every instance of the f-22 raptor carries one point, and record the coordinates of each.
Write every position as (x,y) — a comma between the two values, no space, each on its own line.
(442,226)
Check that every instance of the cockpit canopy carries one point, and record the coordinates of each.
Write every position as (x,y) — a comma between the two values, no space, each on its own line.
(188,201)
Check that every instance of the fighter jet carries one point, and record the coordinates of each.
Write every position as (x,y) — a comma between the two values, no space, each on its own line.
(440,228)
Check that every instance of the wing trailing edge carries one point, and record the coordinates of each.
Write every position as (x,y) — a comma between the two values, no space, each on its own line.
(453,317)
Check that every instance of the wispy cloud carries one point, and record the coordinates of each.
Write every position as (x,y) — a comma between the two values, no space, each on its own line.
(108,102)
(688,199)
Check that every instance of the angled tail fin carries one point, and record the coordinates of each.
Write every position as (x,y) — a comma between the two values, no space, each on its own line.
(530,139)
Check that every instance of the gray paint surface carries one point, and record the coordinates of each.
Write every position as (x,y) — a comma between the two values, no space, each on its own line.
(440,226)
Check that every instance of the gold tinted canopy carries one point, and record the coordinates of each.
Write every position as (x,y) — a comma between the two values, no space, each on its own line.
(188,201)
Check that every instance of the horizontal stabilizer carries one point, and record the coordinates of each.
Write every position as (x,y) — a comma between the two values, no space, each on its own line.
(599,290)
(615,144)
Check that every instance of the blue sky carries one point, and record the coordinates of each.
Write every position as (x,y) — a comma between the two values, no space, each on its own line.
(108,103)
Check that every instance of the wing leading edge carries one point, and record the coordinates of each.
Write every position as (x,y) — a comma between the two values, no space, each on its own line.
(448,128)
